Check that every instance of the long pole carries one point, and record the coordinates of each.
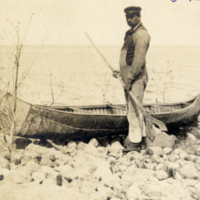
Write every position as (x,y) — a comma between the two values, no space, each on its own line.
(149,119)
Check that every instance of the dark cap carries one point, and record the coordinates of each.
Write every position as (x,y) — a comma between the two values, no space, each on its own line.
(132,9)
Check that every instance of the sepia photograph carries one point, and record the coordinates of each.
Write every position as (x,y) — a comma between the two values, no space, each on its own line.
(100,100)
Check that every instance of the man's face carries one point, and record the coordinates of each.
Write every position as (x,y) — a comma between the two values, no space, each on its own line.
(132,20)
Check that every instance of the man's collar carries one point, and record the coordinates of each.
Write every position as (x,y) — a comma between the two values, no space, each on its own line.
(134,29)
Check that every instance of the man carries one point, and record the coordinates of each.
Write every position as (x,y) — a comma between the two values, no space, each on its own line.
(134,74)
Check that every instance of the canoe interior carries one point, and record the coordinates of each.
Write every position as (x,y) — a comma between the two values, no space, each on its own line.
(120,109)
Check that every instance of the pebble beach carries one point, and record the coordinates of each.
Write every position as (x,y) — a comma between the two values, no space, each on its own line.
(169,168)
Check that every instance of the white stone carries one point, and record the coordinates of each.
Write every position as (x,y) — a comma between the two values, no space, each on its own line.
(161,139)
(4,172)
(160,167)
(161,175)
(183,155)
(178,176)
(94,142)
(191,137)
(46,161)
(173,157)
(189,172)
(87,187)
(38,176)
(15,177)
(167,150)
(155,150)
(133,192)
(4,163)
(198,151)
(71,144)
(81,146)
(33,166)
(156,159)
(117,145)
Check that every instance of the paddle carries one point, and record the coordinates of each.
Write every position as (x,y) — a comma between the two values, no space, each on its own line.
(149,119)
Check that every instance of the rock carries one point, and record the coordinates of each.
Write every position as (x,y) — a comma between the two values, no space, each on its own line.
(46,161)
(59,180)
(134,174)
(191,137)
(26,157)
(71,144)
(97,196)
(177,151)
(156,159)
(177,176)
(94,142)
(37,149)
(48,171)
(67,172)
(123,167)
(173,158)
(115,169)
(16,157)
(171,166)
(183,155)
(154,150)
(103,170)
(6,155)
(3,173)
(151,166)
(117,145)
(102,150)
(165,157)
(58,163)
(133,192)
(198,161)
(189,172)
(81,146)
(24,171)
(189,182)
(90,149)
(15,177)
(52,157)
(198,151)
(32,166)
(105,190)
(38,176)
(87,187)
(133,155)
(4,163)
(49,182)
(160,167)
(167,150)
(161,175)
(22,143)
(192,158)
(161,139)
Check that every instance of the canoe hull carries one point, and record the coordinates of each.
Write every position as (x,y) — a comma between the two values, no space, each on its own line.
(63,123)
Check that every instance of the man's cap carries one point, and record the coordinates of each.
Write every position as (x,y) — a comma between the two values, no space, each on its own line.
(132,9)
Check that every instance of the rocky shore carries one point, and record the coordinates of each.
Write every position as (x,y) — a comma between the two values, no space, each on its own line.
(98,170)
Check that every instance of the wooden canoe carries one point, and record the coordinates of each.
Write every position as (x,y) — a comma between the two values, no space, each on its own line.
(63,122)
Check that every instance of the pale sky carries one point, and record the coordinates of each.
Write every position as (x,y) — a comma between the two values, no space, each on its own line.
(63,22)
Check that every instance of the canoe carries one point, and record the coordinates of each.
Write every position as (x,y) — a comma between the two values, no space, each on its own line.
(65,122)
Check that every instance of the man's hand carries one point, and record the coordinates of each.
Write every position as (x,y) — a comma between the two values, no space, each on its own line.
(116,73)
(127,87)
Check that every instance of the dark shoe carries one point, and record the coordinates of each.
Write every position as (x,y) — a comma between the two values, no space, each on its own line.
(130,146)
(144,143)
(128,149)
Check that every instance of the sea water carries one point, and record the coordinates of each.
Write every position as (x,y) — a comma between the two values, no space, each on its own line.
(77,75)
